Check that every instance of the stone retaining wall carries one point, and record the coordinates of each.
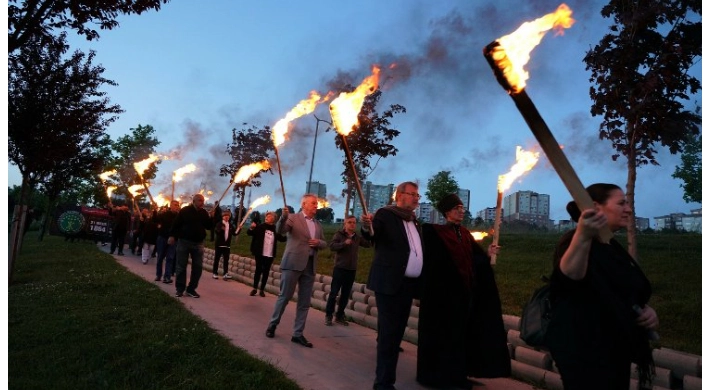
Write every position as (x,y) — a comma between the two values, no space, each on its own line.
(674,369)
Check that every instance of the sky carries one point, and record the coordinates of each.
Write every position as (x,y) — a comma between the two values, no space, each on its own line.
(196,70)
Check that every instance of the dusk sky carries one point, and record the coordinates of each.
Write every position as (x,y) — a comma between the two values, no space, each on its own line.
(196,70)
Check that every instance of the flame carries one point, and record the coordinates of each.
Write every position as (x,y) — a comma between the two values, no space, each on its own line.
(260,201)
(524,162)
(178,174)
(305,106)
(161,200)
(110,190)
(478,236)
(514,50)
(141,166)
(346,107)
(205,193)
(394,195)
(104,176)
(135,189)
(323,203)
(248,171)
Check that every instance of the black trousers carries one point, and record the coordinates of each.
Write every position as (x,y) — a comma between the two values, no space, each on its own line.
(392,316)
(342,283)
(221,252)
(261,274)
(118,239)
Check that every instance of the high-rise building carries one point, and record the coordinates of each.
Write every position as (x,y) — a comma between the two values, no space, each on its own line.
(488,214)
(527,206)
(317,188)
(376,196)
(465,196)
(426,213)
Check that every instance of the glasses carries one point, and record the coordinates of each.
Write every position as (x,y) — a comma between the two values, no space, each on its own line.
(414,194)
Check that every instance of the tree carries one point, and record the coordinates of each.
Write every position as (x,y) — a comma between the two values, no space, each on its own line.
(370,142)
(57,115)
(640,80)
(691,170)
(127,150)
(249,146)
(36,20)
(440,185)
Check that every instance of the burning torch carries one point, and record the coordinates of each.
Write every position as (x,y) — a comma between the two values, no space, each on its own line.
(507,56)
(245,173)
(178,174)
(344,111)
(140,167)
(256,203)
(278,132)
(525,161)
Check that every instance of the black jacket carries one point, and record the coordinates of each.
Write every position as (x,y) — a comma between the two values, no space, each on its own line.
(257,241)
(191,223)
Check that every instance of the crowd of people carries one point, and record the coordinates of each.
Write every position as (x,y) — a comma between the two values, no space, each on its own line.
(601,321)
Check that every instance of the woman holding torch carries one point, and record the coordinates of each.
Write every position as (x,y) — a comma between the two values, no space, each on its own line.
(601,321)
(461,332)
(223,231)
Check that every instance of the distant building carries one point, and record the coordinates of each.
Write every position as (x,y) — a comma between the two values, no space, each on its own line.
(488,215)
(527,206)
(375,195)
(465,196)
(314,187)
(642,223)
(692,222)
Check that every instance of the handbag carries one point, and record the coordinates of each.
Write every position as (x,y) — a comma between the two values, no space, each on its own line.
(536,316)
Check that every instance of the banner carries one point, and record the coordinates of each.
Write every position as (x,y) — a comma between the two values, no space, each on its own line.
(82,222)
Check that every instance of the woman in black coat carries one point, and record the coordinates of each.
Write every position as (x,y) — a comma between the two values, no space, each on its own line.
(461,332)
(601,321)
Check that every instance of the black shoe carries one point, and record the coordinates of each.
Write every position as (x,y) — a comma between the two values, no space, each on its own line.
(342,321)
(178,294)
(192,294)
(261,293)
(121,254)
(157,278)
(328,321)
(252,293)
(270,331)
(167,281)
(301,340)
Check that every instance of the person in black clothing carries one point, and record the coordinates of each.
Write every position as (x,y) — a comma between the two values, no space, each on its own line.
(149,234)
(263,247)
(345,244)
(189,230)
(166,252)
(224,231)
(394,275)
(216,214)
(121,220)
(461,331)
(601,321)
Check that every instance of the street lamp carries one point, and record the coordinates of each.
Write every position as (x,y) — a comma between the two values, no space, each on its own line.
(313,156)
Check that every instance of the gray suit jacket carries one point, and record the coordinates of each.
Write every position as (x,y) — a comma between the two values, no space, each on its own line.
(297,251)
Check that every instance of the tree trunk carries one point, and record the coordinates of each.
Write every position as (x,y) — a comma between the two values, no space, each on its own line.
(630,197)
(17,229)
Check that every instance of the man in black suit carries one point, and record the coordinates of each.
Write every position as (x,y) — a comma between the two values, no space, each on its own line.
(394,275)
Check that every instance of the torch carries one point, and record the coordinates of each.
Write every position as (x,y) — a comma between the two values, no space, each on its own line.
(134,191)
(256,203)
(109,189)
(524,162)
(140,167)
(507,56)
(245,173)
(278,132)
(179,173)
(344,111)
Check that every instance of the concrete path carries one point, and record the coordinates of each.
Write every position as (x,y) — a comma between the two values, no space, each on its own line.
(342,358)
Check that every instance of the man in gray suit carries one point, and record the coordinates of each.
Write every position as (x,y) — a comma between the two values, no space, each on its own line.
(304,240)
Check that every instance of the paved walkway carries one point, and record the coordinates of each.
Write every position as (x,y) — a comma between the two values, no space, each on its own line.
(342,358)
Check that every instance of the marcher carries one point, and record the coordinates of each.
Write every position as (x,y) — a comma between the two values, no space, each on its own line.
(461,332)
(601,320)
(304,240)
(224,231)
(263,247)
(394,275)
(345,244)
(149,232)
(166,252)
(189,230)
(121,220)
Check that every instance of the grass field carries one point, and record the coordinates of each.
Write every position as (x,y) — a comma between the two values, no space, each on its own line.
(77,319)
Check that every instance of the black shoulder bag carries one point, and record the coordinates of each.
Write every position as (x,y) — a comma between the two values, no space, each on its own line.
(536,316)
